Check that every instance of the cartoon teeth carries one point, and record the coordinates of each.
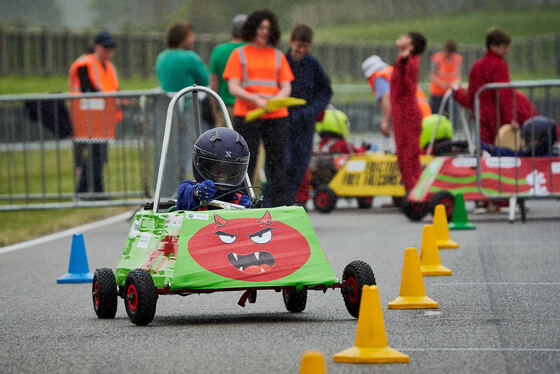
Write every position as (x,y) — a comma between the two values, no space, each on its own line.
(253,263)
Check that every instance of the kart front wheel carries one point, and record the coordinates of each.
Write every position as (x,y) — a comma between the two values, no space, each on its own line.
(445,198)
(104,293)
(324,199)
(140,297)
(365,202)
(295,300)
(356,275)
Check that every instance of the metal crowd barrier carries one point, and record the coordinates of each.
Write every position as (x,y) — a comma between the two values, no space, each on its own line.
(523,175)
(45,147)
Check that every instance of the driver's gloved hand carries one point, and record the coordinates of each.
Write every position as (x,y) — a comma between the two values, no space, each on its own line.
(245,201)
(205,191)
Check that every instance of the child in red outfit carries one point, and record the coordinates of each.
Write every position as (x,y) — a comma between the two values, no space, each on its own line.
(491,68)
(405,112)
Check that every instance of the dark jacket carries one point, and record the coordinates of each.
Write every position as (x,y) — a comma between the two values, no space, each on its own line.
(311,84)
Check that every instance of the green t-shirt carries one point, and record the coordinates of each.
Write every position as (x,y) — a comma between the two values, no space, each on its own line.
(218,61)
(179,68)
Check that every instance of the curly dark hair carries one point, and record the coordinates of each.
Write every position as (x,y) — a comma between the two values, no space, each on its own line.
(177,33)
(249,30)
(418,41)
(497,37)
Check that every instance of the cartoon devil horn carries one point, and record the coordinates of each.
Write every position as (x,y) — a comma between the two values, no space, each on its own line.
(266,220)
(220,222)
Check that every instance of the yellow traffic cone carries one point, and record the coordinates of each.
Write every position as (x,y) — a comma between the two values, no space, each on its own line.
(430,263)
(371,342)
(412,294)
(312,362)
(442,229)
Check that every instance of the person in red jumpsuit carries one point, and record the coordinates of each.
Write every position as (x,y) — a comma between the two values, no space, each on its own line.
(491,68)
(405,112)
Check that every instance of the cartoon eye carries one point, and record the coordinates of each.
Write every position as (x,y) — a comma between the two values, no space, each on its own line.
(226,237)
(262,237)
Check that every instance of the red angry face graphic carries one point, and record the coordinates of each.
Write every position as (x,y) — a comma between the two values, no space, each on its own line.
(249,249)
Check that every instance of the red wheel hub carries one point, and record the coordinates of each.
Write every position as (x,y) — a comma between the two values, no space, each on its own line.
(448,204)
(353,292)
(96,294)
(132,297)
(322,198)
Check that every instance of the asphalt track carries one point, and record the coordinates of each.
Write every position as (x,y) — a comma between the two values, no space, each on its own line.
(499,312)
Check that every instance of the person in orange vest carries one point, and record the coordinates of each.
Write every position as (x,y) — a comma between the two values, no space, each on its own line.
(257,72)
(378,74)
(94,119)
(445,74)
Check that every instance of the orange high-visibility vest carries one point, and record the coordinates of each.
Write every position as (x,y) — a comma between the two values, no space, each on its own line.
(386,73)
(260,71)
(445,69)
(94,119)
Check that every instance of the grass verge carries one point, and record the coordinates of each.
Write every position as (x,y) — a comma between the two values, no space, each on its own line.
(24,225)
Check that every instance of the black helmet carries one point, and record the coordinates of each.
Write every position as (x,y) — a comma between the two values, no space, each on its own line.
(222,156)
(540,135)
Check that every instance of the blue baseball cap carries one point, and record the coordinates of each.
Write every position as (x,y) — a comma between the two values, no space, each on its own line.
(105,39)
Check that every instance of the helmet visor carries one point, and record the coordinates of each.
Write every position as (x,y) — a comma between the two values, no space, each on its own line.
(224,174)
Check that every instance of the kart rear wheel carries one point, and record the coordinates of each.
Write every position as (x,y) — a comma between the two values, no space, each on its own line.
(356,275)
(397,201)
(140,297)
(447,199)
(365,202)
(104,293)
(414,210)
(324,199)
(295,300)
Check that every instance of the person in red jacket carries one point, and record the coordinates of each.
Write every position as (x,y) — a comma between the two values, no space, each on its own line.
(405,112)
(491,68)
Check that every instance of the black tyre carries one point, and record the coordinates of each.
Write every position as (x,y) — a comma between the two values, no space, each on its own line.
(414,210)
(140,297)
(447,199)
(104,293)
(294,300)
(397,201)
(324,199)
(365,202)
(356,275)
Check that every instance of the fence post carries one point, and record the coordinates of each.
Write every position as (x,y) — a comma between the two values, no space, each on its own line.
(557,45)
(3,51)
(531,55)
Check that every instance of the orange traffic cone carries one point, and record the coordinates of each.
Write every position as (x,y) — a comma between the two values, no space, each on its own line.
(312,362)
(442,229)
(430,263)
(412,294)
(371,342)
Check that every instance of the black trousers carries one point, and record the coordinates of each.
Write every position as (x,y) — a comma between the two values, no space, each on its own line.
(92,168)
(274,134)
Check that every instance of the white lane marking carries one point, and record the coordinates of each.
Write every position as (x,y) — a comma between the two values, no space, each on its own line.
(61,234)
(432,313)
(482,349)
(499,284)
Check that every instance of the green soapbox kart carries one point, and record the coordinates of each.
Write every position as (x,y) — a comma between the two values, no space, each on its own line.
(228,249)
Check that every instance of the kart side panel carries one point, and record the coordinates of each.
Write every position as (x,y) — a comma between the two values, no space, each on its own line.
(524,176)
